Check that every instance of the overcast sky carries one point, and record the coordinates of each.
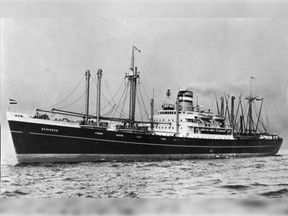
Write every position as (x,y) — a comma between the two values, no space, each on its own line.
(42,60)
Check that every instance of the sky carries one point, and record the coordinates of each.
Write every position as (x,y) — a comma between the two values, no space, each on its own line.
(43,59)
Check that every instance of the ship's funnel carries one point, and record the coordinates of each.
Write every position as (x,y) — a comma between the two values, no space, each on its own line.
(185,100)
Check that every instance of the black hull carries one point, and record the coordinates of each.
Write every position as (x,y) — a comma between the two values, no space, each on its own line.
(35,142)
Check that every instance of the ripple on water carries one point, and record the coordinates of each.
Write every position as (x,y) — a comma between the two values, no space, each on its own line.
(249,177)
(259,184)
(236,187)
(281,193)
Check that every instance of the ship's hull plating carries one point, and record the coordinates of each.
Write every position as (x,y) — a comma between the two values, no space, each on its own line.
(38,142)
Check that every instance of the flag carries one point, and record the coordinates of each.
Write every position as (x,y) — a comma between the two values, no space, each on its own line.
(252,77)
(12,101)
(137,49)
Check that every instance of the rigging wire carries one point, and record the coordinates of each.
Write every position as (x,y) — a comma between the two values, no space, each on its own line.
(145,114)
(112,98)
(140,108)
(260,119)
(268,125)
(246,110)
(108,102)
(66,96)
(235,124)
(145,109)
(78,98)
(114,106)
(109,111)
(142,86)
(124,100)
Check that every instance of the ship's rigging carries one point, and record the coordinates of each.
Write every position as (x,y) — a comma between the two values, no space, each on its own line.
(239,118)
(115,110)
(178,130)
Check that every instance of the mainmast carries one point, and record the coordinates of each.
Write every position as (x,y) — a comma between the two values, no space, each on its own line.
(87,74)
(98,98)
(132,77)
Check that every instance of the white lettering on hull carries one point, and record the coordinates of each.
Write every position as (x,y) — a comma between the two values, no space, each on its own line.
(49,129)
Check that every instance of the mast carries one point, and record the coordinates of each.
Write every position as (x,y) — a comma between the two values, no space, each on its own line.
(227,109)
(259,115)
(250,123)
(232,113)
(98,98)
(250,119)
(177,116)
(242,122)
(87,74)
(132,77)
(152,113)
(218,112)
(222,106)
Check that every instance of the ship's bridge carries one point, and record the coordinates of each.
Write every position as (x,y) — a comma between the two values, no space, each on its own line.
(167,106)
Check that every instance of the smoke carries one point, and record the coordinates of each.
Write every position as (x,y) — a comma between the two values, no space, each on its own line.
(210,89)
(233,87)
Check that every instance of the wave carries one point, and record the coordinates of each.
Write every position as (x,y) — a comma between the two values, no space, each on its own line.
(259,184)
(130,195)
(14,193)
(236,187)
(277,193)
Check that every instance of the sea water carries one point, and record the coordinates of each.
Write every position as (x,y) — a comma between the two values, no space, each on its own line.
(258,177)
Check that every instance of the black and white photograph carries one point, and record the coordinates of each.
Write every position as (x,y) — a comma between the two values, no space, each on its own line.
(132,103)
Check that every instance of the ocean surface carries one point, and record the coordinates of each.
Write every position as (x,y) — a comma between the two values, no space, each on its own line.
(260,177)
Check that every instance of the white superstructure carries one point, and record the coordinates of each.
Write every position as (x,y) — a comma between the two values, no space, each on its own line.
(193,122)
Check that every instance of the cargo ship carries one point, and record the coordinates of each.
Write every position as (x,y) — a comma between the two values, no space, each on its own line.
(180,129)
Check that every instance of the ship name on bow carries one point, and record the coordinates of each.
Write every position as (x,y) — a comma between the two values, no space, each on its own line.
(49,129)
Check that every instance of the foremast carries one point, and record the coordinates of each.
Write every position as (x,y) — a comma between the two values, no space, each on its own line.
(87,75)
